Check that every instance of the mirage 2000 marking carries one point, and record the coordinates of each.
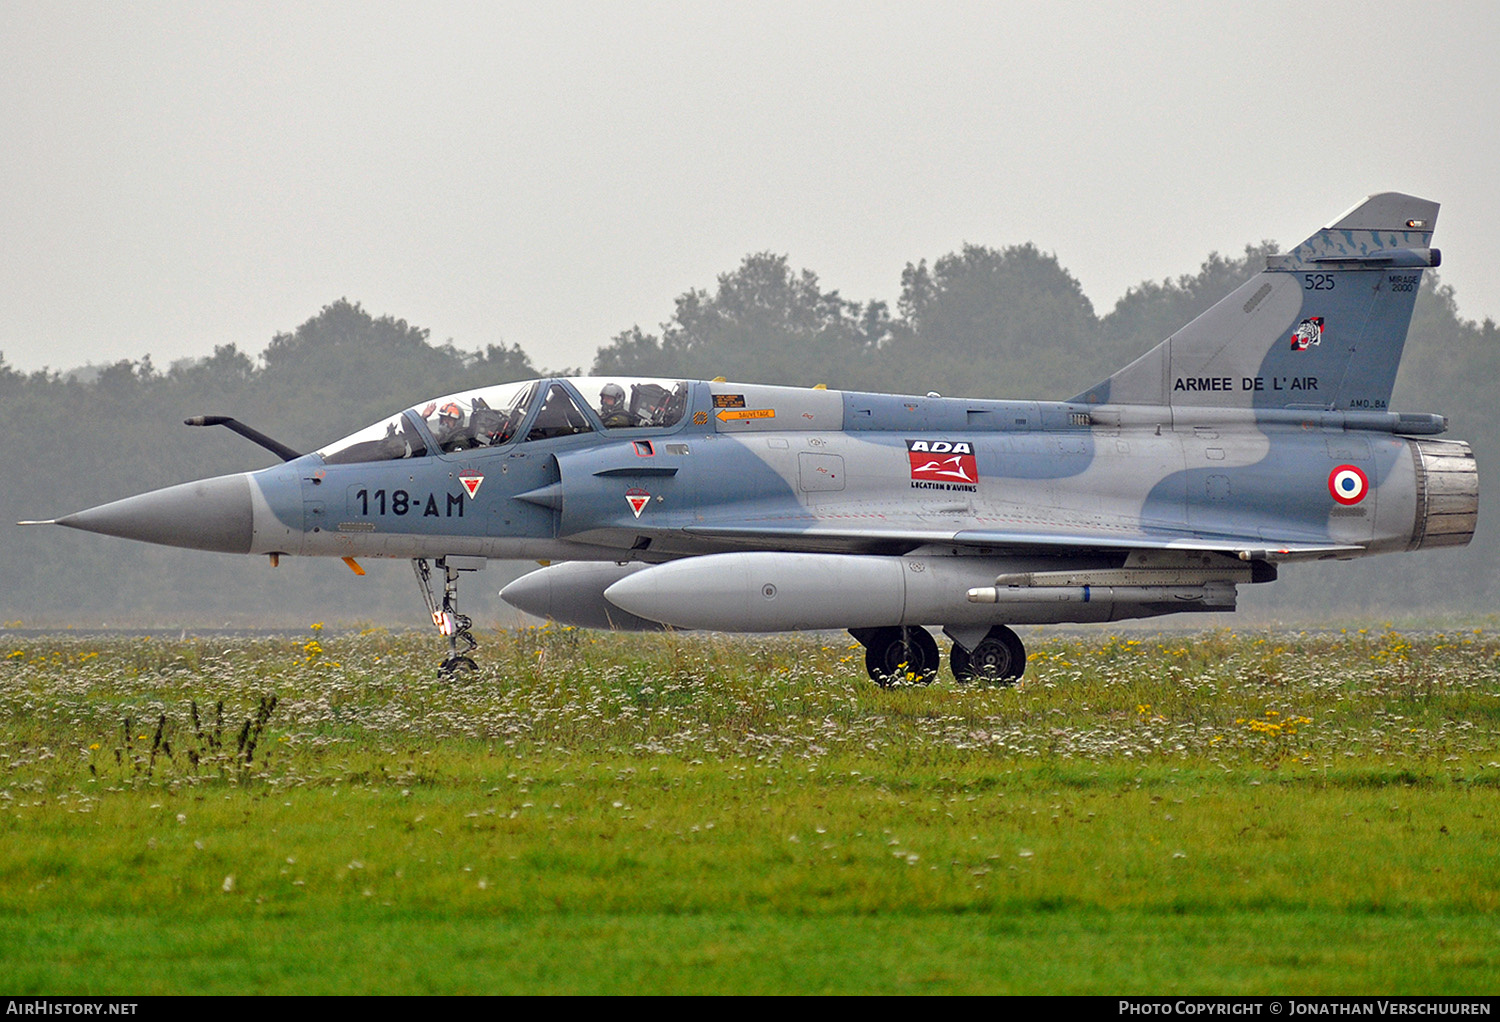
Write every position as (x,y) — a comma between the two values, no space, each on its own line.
(1257,434)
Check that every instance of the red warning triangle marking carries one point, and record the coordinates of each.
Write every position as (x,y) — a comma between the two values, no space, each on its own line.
(471,483)
(638,501)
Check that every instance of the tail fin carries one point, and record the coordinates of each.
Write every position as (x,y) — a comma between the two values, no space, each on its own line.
(1322,327)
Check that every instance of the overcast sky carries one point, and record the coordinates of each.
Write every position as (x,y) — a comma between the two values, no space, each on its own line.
(179,175)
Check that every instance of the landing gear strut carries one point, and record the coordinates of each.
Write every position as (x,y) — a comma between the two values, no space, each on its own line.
(897,654)
(447,618)
(999,657)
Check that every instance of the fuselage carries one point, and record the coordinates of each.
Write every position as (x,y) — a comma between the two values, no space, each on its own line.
(827,471)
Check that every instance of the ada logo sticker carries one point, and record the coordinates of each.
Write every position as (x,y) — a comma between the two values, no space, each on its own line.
(637,499)
(1308,332)
(942,465)
(1348,484)
(470,482)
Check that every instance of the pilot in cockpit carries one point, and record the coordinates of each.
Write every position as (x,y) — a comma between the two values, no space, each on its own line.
(612,410)
(449,428)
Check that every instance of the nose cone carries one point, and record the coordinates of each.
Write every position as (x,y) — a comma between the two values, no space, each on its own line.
(211,514)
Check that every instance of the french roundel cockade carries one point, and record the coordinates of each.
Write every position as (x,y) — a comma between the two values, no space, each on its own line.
(1348,484)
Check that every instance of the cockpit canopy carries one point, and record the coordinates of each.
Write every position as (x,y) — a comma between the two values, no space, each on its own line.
(485,417)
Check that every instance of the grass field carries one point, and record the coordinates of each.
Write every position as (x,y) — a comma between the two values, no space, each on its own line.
(1231,813)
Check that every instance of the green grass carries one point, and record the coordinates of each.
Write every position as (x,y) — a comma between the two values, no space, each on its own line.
(1217,813)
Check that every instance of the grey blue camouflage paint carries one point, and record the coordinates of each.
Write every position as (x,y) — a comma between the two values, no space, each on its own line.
(1257,434)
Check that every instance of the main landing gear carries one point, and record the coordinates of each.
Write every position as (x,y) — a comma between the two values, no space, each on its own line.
(894,655)
(446,616)
(999,657)
(903,654)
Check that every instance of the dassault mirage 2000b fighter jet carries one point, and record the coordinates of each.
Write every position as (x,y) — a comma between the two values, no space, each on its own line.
(1257,434)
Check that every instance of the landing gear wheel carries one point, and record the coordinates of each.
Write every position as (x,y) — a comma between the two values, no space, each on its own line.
(452,665)
(999,657)
(896,654)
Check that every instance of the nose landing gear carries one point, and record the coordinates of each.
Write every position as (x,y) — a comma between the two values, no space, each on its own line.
(445,615)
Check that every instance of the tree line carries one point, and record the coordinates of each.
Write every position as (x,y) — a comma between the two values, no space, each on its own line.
(993,322)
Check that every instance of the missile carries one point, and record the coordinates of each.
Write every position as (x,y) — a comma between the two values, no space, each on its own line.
(1210,596)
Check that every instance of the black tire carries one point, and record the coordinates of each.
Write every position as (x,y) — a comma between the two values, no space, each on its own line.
(1017,651)
(893,653)
(999,658)
(454,664)
(960,663)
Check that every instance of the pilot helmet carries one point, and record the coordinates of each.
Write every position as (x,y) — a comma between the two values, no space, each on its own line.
(450,413)
(612,396)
